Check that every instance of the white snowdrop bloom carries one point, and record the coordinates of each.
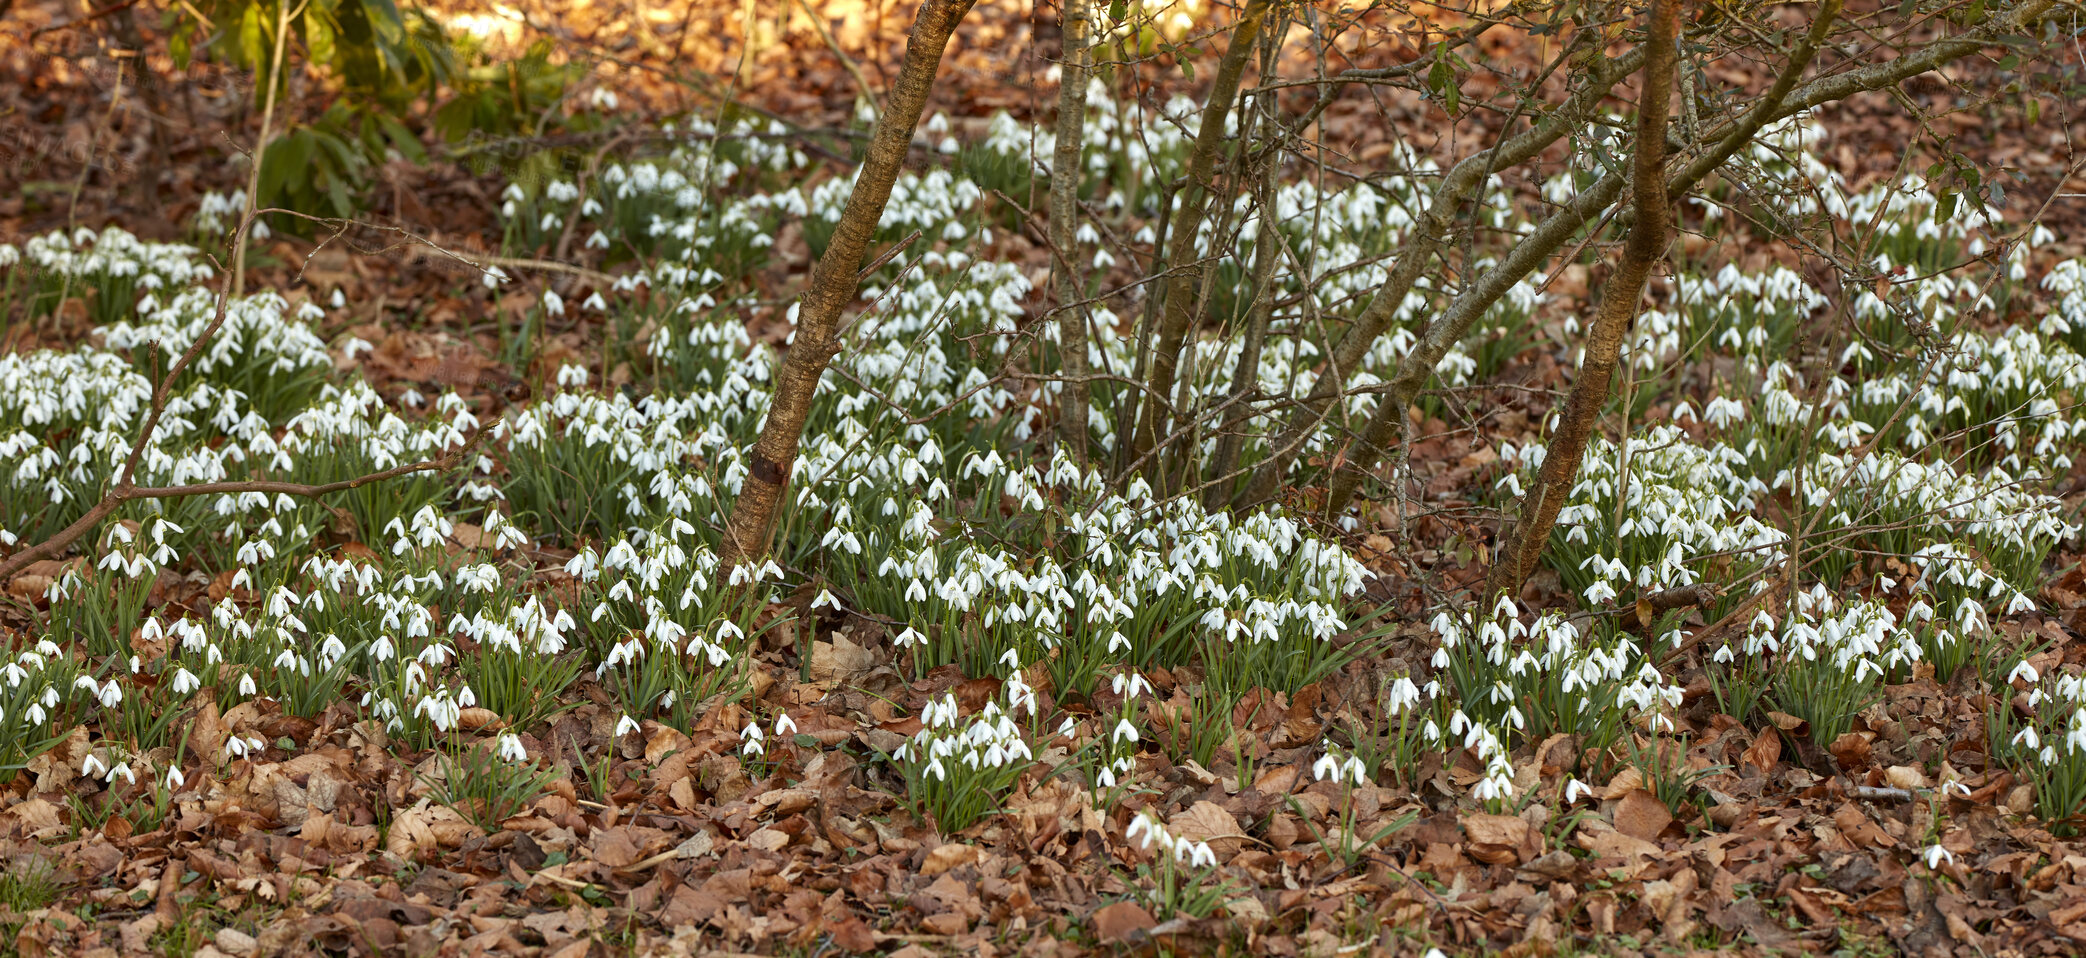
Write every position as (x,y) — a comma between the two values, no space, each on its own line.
(175,779)
(625,726)
(1935,855)
(91,767)
(510,749)
(1130,685)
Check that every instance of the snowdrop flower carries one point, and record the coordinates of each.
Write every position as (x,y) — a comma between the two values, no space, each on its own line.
(1935,855)
(1130,686)
(1145,828)
(784,725)
(1124,731)
(175,779)
(1402,697)
(1575,790)
(92,767)
(510,749)
(625,726)
(826,600)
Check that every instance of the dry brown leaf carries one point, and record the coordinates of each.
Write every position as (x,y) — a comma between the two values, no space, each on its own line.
(1642,815)
(1122,921)
(1766,751)
(1851,749)
(941,858)
(1905,776)
(840,661)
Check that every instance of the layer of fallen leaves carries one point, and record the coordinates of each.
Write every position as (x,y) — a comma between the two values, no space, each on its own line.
(669,843)
(661,842)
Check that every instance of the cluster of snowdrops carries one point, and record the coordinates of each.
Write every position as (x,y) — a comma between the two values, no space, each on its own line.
(932,499)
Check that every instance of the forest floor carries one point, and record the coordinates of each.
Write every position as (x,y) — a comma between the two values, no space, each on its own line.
(685,850)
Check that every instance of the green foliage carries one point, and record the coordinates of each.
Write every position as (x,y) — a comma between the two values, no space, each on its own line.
(385,63)
(958,772)
(504,98)
(1664,766)
(38,692)
(487,788)
(324,167)
(2046,748)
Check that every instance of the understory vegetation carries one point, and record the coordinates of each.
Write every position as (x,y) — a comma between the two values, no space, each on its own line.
(1010,569)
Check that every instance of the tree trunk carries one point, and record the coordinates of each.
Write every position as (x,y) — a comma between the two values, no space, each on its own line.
(1786,99)
(1416,255)
(1523,544)
(1178,312)
(834,282)
(1065,168)
(1646,246)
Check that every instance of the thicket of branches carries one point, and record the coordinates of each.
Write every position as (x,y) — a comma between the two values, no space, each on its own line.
(1502,125)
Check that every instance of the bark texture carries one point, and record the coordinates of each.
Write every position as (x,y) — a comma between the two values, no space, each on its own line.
(1065,168)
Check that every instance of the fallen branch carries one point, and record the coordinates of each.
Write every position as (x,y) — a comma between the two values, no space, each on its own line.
(1681,597)
(126,488)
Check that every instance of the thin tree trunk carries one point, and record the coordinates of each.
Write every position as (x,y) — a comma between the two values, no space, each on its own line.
(1065,168)
(1522,546)
(1619,299)
(834,282)
(1178,312)
(1443,331)
(253,173)
(1389,424)
(1245,375)
(1416,256)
